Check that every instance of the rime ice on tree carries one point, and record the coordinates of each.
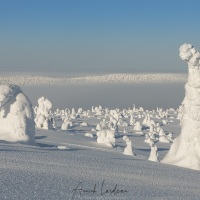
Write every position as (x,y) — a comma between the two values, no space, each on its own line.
(16,115)
(44,118)
(185,150)
(138,128)
(106,136)
(66,124)
(132,120)
(129,149)
(147,120)
(154,152)
(114,119)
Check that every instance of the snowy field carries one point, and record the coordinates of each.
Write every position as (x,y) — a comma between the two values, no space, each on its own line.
(66,164)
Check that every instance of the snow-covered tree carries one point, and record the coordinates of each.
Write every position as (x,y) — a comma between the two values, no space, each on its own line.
(129,149)
(154,152)
(106,136)
(44,117)
(185,149)
(16,115)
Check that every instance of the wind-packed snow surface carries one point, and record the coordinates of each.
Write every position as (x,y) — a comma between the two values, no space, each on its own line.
(185,150)
(69,165)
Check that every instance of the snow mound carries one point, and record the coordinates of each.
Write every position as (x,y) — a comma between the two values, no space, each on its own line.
(89,135)
(16,115)
(94,79)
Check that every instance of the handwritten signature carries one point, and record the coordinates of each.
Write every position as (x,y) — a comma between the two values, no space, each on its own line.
(102,190)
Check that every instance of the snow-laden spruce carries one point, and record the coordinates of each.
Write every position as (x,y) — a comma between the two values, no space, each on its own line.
(129,149)
(16,115)
(44,118)
(185,150)
(154,152)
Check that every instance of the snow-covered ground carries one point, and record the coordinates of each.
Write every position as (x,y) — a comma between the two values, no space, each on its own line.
(69,165)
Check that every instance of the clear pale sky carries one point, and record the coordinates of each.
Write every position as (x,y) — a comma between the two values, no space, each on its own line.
(97,35)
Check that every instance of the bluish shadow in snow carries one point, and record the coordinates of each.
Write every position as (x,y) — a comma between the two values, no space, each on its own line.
(40,137)
(159,149)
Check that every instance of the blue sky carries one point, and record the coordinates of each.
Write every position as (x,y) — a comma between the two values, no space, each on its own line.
(96,35)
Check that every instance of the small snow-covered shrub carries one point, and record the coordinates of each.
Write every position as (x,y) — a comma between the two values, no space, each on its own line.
(106,136)
(132,121)
(129,149)
(98,127)
(163,137)
(66,124)
(80,110)
(137,127)
(84,124)
(89,135)
(154,152)
(44,118)
(147,120)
